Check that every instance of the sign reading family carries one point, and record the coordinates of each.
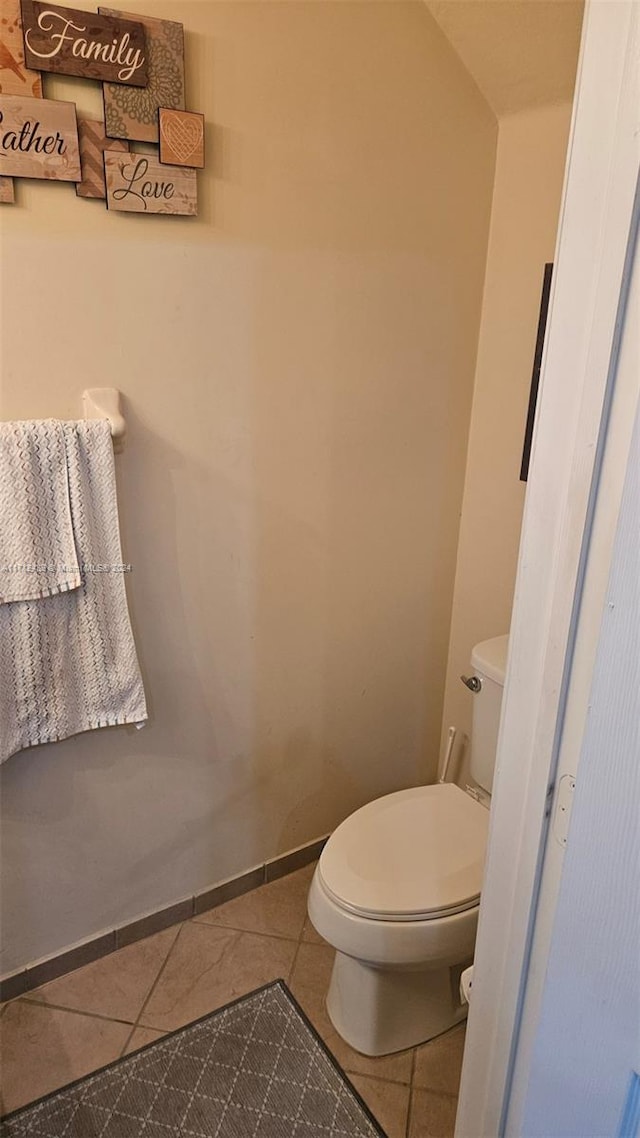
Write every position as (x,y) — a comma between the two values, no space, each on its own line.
(70,42)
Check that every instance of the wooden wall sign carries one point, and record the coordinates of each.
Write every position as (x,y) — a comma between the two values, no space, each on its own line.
(38,139)
(138,183)
(181,138)
(139,61)
(93,141)
(15,77)
(7,195)
(133,113)
(72,42)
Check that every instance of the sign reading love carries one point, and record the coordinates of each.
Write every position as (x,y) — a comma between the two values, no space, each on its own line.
(137,183)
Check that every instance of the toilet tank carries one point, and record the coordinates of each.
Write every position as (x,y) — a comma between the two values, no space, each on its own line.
(488,661)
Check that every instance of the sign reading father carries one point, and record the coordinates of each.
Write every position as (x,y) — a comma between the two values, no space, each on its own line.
(71,42)
(39,139)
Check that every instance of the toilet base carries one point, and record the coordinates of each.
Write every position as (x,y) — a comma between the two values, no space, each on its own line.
(378,1011)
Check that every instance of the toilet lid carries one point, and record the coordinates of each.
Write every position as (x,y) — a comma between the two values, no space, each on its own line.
(416,854)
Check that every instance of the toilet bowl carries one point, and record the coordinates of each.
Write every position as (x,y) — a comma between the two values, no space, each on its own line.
(397,893)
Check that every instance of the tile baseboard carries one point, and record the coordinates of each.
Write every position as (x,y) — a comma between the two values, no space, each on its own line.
(24,980)
(295,859)
(227,890)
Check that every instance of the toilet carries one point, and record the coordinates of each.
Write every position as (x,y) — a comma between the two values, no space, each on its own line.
(397,892)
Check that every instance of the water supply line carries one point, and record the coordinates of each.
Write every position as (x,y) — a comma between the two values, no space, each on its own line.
(448,753)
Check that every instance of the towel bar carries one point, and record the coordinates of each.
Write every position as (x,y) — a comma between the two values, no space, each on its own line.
(104,403)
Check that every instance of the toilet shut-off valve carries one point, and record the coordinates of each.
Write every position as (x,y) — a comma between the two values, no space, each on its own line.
(474,683)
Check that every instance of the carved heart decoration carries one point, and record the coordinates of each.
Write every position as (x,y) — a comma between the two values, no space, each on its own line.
(183,135)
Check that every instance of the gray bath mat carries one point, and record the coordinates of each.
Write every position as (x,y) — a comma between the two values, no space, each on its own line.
(253,1069)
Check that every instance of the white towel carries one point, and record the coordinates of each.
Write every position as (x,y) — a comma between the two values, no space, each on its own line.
(68,661)
(37,552)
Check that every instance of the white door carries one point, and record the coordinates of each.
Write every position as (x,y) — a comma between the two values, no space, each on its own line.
(513,1046)
(577,1069)
(575,859)
(584,1076)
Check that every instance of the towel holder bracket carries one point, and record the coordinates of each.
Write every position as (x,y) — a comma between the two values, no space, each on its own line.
(104,403)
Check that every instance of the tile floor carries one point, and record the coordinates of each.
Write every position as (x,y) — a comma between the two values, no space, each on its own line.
(80,1022)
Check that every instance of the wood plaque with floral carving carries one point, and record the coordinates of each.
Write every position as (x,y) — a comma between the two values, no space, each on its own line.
(132,112)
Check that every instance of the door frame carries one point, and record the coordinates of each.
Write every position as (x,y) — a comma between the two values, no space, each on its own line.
(591,252)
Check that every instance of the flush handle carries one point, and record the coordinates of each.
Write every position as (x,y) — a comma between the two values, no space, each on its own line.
(474,683)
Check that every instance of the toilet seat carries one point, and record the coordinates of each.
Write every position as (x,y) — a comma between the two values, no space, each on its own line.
(415,855)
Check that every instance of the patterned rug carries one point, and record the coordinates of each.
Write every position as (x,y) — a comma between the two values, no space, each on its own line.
(253,1069)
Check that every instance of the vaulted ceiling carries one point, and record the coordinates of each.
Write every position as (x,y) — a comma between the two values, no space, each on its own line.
(521,53)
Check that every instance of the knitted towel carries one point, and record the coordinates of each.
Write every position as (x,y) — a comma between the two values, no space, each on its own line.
(37,551)
(68,661)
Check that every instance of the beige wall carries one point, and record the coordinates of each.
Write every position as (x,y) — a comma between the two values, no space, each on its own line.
(524,219)
(297,366)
